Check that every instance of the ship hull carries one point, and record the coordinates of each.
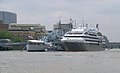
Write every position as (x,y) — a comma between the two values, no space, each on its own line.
(79,46)
(35,48)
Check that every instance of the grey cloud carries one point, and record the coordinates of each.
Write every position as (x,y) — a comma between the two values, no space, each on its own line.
(1,1)
(78,0)
(46,11)
(109,8)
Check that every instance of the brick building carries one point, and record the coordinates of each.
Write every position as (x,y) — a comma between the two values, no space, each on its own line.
(3,26)
(27,31)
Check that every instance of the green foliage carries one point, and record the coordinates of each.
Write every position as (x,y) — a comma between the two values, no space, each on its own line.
(7,35)
(18,39)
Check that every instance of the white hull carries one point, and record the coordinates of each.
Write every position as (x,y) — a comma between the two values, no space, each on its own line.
(36,47)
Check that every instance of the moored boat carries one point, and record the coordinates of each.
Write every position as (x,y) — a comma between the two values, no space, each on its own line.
(35,45)
(83,39)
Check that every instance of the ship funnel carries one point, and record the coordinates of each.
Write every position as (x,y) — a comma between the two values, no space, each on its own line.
(97,27)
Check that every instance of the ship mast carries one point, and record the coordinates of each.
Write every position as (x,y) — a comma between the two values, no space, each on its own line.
(71,23)
(82,22)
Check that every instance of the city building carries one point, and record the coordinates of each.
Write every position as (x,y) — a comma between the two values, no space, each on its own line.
(27,31)
(59,30)
(3,26)
(62,28)
(7,17)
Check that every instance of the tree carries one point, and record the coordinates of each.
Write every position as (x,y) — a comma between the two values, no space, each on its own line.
(7,35)
(18,39)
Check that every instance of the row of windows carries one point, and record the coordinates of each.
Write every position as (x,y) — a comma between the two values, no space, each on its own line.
(94,41)
(74,33)
(92,34)
(89,37)
(31,43)
(83,37)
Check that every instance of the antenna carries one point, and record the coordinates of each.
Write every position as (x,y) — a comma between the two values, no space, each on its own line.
(59,17)
(74,26)
(86,25)
(82,22)
(71,20)
(75,22)
(71,23)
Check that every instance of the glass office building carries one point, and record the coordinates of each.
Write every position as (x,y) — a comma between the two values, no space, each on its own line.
(7,17)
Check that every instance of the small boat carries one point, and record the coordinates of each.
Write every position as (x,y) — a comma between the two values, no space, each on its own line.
(36,45)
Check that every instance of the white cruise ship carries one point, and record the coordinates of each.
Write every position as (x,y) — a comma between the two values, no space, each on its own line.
(83,39)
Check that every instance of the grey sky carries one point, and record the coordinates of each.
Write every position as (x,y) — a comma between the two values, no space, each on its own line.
(47,12)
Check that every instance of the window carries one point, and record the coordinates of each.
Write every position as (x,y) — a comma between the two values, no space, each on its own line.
(92,34)
(99,34)
(74,33)
(86,33)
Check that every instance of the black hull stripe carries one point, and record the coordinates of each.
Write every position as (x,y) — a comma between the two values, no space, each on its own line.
(94,41)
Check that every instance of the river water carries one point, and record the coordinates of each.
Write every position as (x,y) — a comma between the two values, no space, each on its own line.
(60,62)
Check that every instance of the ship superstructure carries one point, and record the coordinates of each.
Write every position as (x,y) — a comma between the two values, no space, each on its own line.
(83,39)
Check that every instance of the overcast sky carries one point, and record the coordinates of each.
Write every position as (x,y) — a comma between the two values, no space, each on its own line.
(106,13)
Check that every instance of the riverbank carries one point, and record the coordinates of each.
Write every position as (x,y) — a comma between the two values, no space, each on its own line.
(60,62)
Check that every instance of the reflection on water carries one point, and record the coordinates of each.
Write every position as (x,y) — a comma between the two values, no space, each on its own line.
(60,62)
